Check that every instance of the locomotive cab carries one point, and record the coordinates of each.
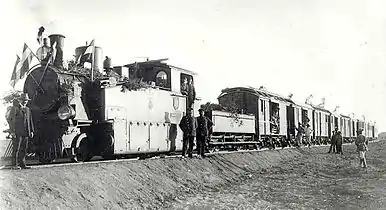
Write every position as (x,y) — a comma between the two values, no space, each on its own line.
(141,112)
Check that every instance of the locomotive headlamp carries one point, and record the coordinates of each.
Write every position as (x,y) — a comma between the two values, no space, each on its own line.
(66,112)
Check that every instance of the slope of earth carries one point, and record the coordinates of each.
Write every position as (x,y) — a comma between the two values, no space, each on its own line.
(130,184)
(282,179)
(316,180)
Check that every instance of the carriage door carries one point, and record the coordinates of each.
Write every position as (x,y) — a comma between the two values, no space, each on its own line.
(274,113)
(290,121)
(353,128)
(263,106)
(314,129)
(329,126)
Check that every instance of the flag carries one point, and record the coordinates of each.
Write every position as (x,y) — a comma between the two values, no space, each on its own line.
(16,72)
(26,59)
(86,55)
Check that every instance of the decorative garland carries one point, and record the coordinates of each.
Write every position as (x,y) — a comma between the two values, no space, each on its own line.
(130,84)
(10,96)
(230,108)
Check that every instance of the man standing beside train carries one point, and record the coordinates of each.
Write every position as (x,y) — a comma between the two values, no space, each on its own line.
(308,132)
(339,143)
(204,125)
(333,140)
(188,125)
(299,135)
(362,147)
(22,127)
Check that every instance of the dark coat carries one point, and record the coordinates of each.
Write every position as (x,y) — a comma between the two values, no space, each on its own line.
(204,125)
(339,139)
(334,138)
(188,125)
(191,92)
(361,143)
(21,121)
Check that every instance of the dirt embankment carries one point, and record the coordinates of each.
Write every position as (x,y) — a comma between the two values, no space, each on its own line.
(239,179)
(133,184)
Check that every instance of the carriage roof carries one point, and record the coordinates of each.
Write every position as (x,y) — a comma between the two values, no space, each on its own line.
(160,63)
(257,92)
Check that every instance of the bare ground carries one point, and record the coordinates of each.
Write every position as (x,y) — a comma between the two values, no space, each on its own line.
(306,178)
(314,181)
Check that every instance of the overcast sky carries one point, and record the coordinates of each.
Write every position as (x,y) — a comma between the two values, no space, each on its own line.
(328,48)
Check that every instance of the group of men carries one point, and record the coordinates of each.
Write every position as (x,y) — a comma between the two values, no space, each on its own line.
(361,142)
(303,130)
(22,128)
(198,128)
(336,142)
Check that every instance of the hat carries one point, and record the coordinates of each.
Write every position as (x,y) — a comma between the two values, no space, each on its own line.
(200,110)
(25,96)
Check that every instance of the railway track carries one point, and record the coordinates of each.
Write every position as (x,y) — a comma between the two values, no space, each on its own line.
(98,160)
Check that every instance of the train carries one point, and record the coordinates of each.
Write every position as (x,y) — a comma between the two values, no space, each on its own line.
(269,120)
(137,112)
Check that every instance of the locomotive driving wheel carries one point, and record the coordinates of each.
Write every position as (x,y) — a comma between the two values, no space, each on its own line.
(108,152)
(83,152)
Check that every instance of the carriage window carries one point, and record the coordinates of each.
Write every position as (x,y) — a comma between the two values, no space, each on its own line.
(186,81)
(161,79)
(261,106)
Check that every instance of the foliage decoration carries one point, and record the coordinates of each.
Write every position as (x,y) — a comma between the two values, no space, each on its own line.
(10,96)
(231,108)
(73,67)
(130,84)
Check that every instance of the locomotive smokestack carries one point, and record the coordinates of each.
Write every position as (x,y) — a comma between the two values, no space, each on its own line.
(59,39)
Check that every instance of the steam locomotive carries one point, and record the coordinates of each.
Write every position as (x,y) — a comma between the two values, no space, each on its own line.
(79,117)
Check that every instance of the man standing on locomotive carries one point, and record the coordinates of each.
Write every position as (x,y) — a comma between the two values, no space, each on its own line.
(204,125)
(191,93)
(22,127)
(188,125)
(44,52)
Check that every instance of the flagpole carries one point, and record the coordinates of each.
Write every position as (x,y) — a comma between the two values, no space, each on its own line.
(33,53)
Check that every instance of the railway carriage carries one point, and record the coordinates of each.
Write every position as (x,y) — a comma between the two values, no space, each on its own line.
(345,125)
(322,124)
(232,132)
(304,112)
(276,116)
(270,111)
